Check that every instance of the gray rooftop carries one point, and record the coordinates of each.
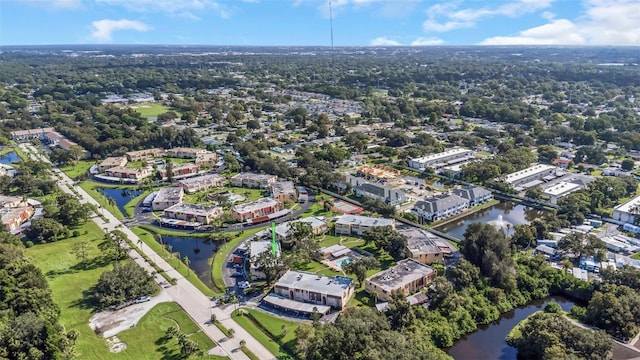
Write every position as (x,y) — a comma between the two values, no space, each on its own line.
(404,272)
(335,286)
(283,187)
(169,193)
(471,192)
(194,209)
(363,221)
(202,178)
(421,241)
(440,202)
(254,205)
(283,228)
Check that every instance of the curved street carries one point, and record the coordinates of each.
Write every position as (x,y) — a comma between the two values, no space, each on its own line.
(193,301)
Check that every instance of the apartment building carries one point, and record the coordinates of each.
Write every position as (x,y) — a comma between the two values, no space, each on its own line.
(357,225)
(408,276)
(185,152)
(440,206)
(253,180)
(167,197)
(144,154)
(111,162)
(201,183)
(315,289)
(194,213)
(442,159)
(475,194)
(284,191)
(207,160)
(258,208)
(129,173)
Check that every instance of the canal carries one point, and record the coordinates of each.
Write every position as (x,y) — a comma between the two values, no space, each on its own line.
(120,196)
(489,341)
(504,215)
(199,251)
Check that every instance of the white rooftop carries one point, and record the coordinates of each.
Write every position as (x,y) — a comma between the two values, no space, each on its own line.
(532,170)
(626,207)
(335,286)
(363,220)
(562,187)
(442,155)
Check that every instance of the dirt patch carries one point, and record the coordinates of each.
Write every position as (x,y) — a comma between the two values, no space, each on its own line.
(108,323)
(115,344)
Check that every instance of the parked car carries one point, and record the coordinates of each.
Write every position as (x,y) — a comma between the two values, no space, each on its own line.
(244,285)
(142,299)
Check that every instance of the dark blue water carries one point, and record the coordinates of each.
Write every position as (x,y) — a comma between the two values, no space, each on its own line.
(9,158)
(120,196)
(199,251)
(513,214)
(489,341)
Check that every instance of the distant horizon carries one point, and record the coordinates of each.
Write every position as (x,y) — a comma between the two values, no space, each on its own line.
(324,46)
(343,23)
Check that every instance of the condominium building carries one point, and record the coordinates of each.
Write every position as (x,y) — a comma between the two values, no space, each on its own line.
(628,212)
(442,159)
(475,194)
(423,246)
(13,217)
(535,172)
(284,191)
(201,183)
(183,170)
(207,160)
(561,189)
(408,276)
(128,172)
(185,153)
(111,162)
(357,225)
(440,206)
(285,231)
(315,289)
(194,213)
(253,180)
(258,208)
(7,201)
(383,193)
(167,197)
(144,154)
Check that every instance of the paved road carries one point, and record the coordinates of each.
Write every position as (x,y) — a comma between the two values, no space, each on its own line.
(193,301)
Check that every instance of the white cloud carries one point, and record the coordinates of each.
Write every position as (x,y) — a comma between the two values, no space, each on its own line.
(383,41)
(429,41)
(103,29)
(183,8)
(548,15)
(66,4)
(465,18)
(603,23)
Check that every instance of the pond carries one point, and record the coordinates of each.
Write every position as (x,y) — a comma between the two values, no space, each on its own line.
(198,250)
(489,341)
(120,196)
(503,214)
(9,158)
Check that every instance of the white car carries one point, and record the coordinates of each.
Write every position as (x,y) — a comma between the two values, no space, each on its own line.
(142,299)
(243,285)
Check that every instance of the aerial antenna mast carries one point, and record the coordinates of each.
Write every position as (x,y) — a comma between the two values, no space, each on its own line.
(333,56)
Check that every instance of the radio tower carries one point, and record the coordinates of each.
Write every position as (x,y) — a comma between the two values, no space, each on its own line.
(333,56)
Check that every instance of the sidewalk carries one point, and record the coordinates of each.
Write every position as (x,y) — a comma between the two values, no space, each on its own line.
(194,302)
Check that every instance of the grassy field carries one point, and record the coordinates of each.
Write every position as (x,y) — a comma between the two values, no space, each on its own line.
(150,241)
(90,187)
(73,171)
(151,330)
(268,330)
(152,109)
(69,282)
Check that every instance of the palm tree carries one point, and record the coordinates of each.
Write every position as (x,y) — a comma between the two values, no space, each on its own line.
(186,261)
(231,332)
(243,343)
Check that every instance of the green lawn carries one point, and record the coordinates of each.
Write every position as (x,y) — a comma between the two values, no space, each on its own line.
(151,330)
(132,204)
(73,171)
(69,281)
(150,241)
(267,329)
(90,187)
(152,109)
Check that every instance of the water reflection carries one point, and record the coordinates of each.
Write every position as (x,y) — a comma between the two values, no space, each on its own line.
(511,213)
(120,196)
(489,341)
(198,250)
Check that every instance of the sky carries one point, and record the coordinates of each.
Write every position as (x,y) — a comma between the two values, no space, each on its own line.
(308,22)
